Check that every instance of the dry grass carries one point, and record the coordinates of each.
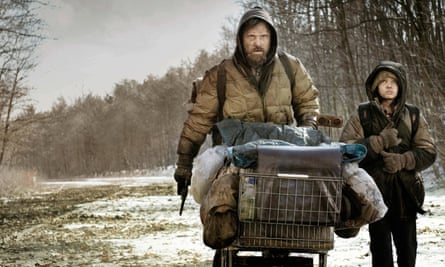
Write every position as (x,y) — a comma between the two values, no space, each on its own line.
(13,182)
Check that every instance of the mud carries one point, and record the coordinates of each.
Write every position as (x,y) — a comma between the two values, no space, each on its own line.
(92,226)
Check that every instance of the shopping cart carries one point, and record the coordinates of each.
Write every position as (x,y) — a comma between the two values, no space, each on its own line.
(287,208)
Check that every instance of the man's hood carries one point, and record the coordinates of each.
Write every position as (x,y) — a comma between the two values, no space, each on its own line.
(396,69)
(260,13)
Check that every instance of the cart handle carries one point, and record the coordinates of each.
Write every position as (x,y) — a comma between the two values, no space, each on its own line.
(293,175)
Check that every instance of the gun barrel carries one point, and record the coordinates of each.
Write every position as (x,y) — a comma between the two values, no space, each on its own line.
(183,198)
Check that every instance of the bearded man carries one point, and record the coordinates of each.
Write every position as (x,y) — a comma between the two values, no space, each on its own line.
(257,89)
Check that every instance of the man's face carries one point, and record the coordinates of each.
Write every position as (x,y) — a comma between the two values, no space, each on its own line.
(256,42)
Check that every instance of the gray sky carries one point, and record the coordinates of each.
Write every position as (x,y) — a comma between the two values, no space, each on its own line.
(98,43)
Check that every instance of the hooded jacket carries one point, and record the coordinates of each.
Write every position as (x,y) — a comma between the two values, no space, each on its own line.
(397,189)
(268,99)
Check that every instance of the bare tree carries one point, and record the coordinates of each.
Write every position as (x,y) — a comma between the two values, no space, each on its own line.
(19,27)
(341,41)
(137,127)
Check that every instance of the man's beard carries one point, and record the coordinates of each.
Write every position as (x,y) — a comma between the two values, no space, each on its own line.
(256,61)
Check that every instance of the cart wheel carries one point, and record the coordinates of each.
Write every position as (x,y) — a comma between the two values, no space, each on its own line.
(229,258)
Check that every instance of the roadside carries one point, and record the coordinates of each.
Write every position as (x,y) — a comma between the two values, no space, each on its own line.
(136,222)
(97,225)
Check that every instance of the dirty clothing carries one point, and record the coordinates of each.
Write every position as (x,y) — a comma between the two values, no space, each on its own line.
(420,143)
(397,188)
(269,98)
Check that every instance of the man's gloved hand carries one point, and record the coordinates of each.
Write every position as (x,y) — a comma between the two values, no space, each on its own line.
(183,175)
(308,120)
(394,162)
(386,139)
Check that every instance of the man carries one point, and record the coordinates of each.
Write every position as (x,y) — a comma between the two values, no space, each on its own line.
(257,89)
(399,146)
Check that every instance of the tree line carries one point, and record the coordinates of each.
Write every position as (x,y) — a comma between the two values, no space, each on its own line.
(137,126)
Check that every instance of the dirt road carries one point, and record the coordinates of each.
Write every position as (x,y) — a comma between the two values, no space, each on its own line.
(133,223)
(103,225)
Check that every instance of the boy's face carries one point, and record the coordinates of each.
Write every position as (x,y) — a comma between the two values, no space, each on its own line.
(388,89)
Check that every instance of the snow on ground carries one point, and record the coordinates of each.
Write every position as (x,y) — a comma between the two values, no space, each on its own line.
(431,239)
(168,246)
(184,244)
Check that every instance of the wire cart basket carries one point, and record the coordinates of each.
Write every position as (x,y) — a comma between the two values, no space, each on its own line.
(288,205)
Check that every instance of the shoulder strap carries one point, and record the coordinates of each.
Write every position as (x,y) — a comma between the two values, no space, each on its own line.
(221,88)
(221,93)
(414,114)
(365,117)
(287,67)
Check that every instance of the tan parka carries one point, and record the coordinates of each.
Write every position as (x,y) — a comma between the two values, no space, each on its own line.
(270,99)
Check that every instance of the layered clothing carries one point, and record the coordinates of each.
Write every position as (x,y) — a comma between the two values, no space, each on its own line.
(420,143)
(400,185)
(267,96)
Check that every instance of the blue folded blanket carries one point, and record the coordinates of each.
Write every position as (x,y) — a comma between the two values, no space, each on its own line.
(245,156)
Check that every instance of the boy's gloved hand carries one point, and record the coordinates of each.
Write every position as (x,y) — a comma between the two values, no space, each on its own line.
(386,139)
(394,162)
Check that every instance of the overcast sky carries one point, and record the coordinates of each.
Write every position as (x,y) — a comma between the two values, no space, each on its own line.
(98,43)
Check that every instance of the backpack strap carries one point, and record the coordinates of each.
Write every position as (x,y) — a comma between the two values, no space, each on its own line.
(287,67)
(221,94)
(221,88)
(414,114)
(366,118)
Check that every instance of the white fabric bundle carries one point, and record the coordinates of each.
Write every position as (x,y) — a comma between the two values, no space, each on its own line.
(373,206)
(205,167)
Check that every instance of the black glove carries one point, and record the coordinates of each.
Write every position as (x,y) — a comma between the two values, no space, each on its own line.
(183,175)
(183,172)
(308,120)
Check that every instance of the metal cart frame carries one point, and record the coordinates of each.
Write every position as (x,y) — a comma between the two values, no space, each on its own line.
(292,212)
